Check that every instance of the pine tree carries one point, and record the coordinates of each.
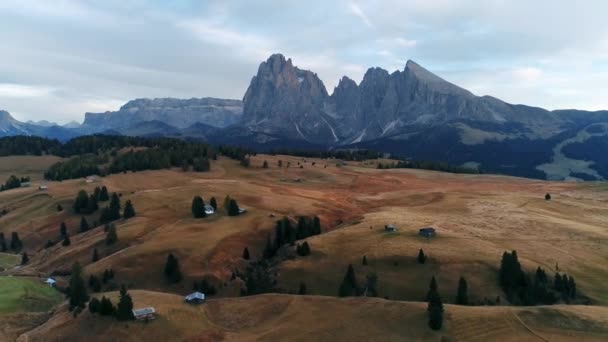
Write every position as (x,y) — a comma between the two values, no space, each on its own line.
(435,306)
(66,240)
(103,194)
(462,297)
(349,286)
(316,226)
(302,289)
(114,207)
(432,288)
(558,283)
(24,258)
(364,261)
(84,225)
(16,244)
(95,255)
(571,287)
(125,306)
(59,207)
(265,164)
(227,205)
(172,271)
(198,207)
(548,197)
(78,292)
(129,210)
(421,257)
(63,230)
(269,250)
(92,204)
(3,247)
(106,308)
(81,203)
(213,203)
(246,254)
(111,236)
(94,305)
(233,208)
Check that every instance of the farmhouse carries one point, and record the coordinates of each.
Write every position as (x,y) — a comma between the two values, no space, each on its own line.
(25,184)
(427,232)
(242,210)
(50,281)
(209,210)
(390,228)
(144,314)
(43,187)
(195,298)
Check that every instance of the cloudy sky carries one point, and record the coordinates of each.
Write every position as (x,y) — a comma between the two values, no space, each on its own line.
(61,58)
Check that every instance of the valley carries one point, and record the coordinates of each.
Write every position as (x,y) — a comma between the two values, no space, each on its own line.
(477,218)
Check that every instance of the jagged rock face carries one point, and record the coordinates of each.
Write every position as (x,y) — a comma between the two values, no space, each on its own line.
(283,99)
(287,101)
(174,112)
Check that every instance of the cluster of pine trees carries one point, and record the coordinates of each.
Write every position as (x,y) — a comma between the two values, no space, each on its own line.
(428,165)
(112,211)
(88,204)
(231,207)
(15,244)
(13,182)
(536,289)
(123,310)
(76,167)
(88,152)
(286,233)
(258,278)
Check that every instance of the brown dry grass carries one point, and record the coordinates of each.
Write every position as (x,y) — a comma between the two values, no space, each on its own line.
(315,318)
(477,217)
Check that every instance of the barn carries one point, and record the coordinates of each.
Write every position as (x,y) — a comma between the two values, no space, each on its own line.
(144,314)
(427,232)
(390,228)
(195,298)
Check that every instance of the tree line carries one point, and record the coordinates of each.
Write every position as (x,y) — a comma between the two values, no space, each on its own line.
(13,182)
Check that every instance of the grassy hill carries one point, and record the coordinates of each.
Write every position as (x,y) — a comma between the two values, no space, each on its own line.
(316,318)
(477,218)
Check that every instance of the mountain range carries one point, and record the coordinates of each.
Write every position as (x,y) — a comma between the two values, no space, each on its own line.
(411,113)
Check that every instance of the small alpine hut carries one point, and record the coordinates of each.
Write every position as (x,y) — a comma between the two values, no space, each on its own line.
(195,298)
(50,281)
(427,232)
(144,314)
(390,228)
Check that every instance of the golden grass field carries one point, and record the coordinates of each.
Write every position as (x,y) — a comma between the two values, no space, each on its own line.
(477,218)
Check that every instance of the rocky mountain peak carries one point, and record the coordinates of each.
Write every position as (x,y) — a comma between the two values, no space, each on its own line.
(432,81)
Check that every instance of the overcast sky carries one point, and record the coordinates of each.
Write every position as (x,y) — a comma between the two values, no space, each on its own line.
(62,58)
